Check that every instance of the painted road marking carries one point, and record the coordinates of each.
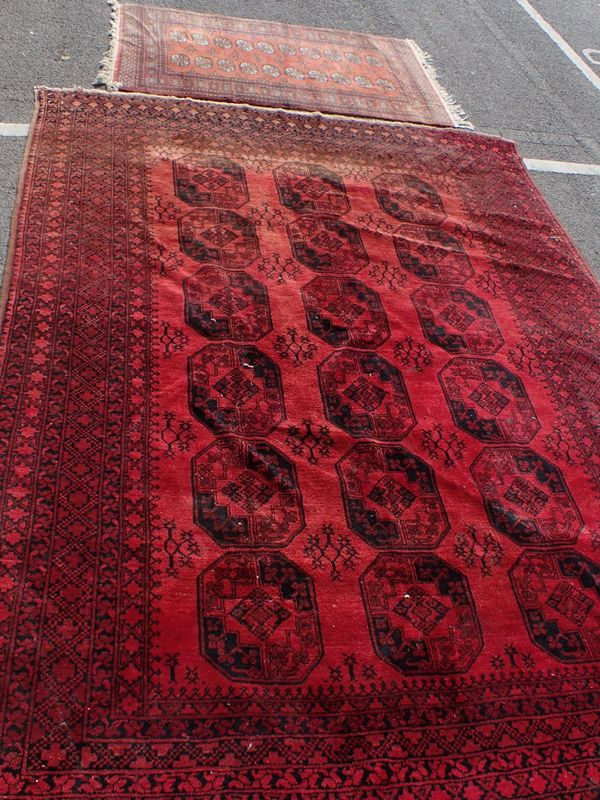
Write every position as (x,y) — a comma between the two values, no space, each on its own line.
(563,167)
(593,59)
(13,129)
(576,59)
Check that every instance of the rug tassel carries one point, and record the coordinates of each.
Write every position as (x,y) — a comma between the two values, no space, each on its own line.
(107,65)
(455,110)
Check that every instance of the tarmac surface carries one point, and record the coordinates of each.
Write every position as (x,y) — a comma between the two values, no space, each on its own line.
(513,76)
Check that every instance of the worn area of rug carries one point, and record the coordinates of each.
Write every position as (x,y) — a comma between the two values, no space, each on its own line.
(181,53)
(298,464)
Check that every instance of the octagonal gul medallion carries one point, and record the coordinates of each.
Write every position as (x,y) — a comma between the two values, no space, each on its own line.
(258,618)
(432,254)
(344,311)
(457,320)
(219,236)
(488,401)
(526,497)
(421,614)
(559,597)
(327,244)
(227,305)
(211,181)
(408,198)
(246,494)
(391,497)
(364,395)
(310,188)
(235,389)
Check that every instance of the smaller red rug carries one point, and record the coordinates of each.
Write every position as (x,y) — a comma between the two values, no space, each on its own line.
(173,52)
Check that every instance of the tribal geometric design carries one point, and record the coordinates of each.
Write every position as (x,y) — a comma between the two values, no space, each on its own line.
(432,254)
(364,395)
(178,436)
(391,498)
(526,497)
(166,262)
(559,597)
(246,494)
(258,618)
(218,236)
(235,389)
(265,215)
(561,446)
(523,360)
(412,354)
(172,339)
(179,546)
(180,562)
(388,274)
(295,347)
(309,440)
(442,446)
(457,320)
(327,244)
(212,181)
(332,551)
(375,223)
(421,614)
(484,549)
(344,312)
(488,401)
(310,188)
(279,269)
(178,53)
(227,305)
(408,198)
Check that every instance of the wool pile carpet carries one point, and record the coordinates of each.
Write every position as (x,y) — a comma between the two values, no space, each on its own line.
(174,52)
(298,459)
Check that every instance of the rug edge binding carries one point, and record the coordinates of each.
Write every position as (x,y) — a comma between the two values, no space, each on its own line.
(105,77)
(456,112)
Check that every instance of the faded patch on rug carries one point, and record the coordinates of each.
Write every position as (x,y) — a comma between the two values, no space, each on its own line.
(173,52)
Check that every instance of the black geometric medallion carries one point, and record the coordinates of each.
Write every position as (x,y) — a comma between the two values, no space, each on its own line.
(235,389)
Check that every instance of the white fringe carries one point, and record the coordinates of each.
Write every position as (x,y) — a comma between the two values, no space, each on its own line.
(107,65)
(456,111)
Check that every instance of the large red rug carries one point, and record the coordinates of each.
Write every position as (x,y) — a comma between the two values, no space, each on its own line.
(208,56)
(298,448)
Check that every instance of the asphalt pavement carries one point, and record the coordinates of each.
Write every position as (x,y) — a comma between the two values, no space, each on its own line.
(514,76)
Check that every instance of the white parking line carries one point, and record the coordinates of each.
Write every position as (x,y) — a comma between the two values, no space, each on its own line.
(563,167)
(576,59)
(13,129)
